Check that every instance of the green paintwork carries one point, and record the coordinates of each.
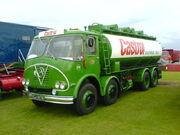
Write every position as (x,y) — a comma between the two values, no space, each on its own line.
(53,75)
(98,67)
(134,62)
(80,82)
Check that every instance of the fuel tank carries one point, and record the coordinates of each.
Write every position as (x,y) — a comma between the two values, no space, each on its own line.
(133,52)
(11,81)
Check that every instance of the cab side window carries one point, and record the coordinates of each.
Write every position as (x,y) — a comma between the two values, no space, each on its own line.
(91,46)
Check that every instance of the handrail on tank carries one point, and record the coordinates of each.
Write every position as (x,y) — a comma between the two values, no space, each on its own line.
(114,29)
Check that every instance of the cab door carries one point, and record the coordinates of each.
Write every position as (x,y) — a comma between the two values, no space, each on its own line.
(92,56)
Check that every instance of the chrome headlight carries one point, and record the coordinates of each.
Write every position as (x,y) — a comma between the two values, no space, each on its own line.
(62,85)
(57,85)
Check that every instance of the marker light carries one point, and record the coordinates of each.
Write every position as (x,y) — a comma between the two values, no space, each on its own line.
(84,63)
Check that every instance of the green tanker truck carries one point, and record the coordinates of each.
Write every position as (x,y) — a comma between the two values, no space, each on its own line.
(79,67)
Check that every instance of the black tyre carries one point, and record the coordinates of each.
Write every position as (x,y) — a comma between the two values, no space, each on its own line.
(39,103)
(154,79)
(87,99)
(146,82)
(111,92)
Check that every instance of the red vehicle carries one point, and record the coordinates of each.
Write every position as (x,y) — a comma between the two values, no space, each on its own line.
(11,81)
(171,58)
(10,78)
(175,54)
(166,56)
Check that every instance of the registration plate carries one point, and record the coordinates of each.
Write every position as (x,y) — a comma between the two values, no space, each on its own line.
(38,97)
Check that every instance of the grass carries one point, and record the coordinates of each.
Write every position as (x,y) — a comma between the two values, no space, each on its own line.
(171,76)
(152,112)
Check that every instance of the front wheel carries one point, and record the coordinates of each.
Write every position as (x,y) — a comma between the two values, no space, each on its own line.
(87,99)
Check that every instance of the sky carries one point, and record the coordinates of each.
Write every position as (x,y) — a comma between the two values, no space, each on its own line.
(159,18)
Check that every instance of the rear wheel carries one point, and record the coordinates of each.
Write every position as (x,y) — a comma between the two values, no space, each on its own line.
(111,92)
(154,79)
(87,99)
(146,81)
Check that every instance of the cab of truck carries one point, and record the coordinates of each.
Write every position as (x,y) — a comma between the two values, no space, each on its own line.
(166,57)
(58,64)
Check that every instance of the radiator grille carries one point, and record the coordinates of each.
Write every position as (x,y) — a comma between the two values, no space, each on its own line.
(40,90)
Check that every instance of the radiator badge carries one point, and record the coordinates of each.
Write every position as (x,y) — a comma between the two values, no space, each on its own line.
(40,73)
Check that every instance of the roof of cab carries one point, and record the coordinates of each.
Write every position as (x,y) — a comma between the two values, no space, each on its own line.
(52,33)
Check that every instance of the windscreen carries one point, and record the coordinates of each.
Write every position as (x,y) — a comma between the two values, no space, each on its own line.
(37,48)
(66,47)
(165,54)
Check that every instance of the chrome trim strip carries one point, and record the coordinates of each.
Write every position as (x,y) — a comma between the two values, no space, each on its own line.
(67,103)
(51,98)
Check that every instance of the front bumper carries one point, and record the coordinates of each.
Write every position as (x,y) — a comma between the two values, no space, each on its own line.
(51,98)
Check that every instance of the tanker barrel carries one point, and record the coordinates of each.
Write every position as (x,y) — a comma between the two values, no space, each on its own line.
(133,52)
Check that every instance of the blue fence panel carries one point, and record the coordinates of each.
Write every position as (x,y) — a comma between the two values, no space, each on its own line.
(15,40)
